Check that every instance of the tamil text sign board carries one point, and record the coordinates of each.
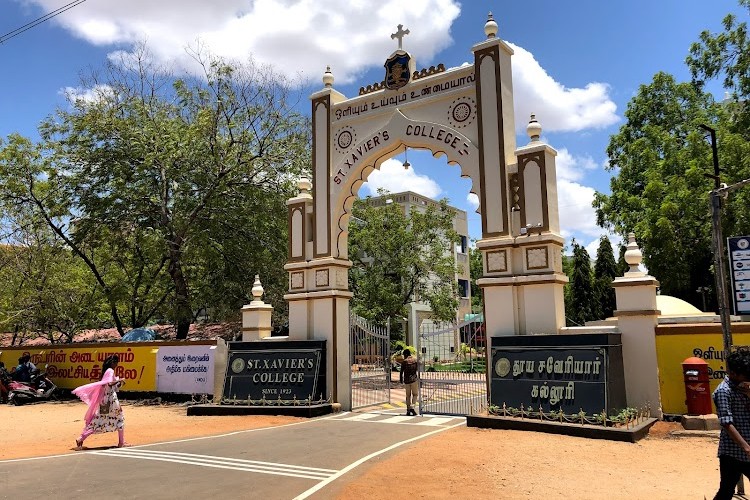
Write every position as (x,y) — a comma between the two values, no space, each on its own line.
(564,379)
(185,369)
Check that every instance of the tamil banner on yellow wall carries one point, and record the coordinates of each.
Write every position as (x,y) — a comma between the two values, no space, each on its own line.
(674,348)
(70,366)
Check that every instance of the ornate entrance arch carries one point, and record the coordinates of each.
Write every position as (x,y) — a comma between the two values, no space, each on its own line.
(466,114)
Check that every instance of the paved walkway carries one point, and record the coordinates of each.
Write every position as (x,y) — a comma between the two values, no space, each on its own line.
(294,461)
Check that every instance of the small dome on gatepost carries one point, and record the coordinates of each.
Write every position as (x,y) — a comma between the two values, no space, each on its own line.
(257,291)
(534,129)
(304,185)
(328,77)
(633,255)
(490,27)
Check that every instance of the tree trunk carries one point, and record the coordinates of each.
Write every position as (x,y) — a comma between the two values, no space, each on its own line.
(183,311)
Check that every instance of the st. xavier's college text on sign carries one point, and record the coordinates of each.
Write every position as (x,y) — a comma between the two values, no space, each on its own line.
(276,370)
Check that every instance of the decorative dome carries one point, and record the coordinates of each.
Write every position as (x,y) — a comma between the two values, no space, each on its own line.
(490,27)
(633,255)
(328,77)
(672,306)
(534,129)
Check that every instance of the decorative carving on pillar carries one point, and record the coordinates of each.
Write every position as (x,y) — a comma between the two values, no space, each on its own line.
(342,278)
(297,280)
(497,261)
(515,195)
(537,258)
(321,277)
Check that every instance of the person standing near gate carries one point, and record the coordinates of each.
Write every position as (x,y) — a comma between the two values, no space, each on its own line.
(733,408)
(409,377)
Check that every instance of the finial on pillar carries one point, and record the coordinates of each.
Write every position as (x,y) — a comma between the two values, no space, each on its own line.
(534,129)
(633,255)
(304,185)
(490,27)
(257,291)
(328,77)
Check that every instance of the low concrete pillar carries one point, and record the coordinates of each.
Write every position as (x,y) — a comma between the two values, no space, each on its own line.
(637,318)
(256,316)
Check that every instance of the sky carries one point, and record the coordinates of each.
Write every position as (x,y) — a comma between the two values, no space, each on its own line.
(576,65)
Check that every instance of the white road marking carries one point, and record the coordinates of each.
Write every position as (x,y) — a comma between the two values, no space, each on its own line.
(235,433)
(376,418)
(436,421)
(360,416)
(222,463)
(362,460)
(398,419)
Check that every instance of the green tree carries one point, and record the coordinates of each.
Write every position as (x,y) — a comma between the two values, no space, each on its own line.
(163,186)
(659,190)
(399,258)
(727,55)
(581,295)
(605,271)
(44,290)
(475,272)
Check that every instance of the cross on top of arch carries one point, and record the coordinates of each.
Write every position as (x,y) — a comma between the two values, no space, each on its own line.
(400,34)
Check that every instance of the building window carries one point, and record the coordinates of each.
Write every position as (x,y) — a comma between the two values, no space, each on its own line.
(463,288)
(464,244)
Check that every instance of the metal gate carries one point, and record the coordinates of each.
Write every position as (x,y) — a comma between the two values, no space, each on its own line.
(453,368)
(370,349)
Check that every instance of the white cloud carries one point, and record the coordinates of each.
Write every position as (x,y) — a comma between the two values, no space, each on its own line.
(295,36)
(88,95)
(573,168)
(577,216)
(299,38)
(558,108)
(614,241)
(393,177)
(473,200)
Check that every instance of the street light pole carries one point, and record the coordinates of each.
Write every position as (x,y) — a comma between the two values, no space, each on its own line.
(717,240)
(721,282)
(715,153)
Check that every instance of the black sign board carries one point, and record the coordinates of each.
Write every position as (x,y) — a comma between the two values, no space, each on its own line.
(739,263)
(275,370)
(555,379)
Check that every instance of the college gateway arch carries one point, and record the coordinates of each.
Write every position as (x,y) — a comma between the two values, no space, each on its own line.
(466,114)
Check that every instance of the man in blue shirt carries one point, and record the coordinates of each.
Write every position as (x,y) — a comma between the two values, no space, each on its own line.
(733,408)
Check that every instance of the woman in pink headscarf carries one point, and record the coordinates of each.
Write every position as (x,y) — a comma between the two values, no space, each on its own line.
(104,413)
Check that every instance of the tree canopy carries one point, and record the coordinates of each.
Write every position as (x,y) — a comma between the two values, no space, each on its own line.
(660,159)
(580,298)
(401,257)
(727,55)
(605,271)
(170,190)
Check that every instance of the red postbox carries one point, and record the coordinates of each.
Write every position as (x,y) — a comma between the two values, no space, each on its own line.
(697,389)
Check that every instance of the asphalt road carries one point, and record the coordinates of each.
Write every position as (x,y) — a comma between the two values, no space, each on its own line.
(294,461)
